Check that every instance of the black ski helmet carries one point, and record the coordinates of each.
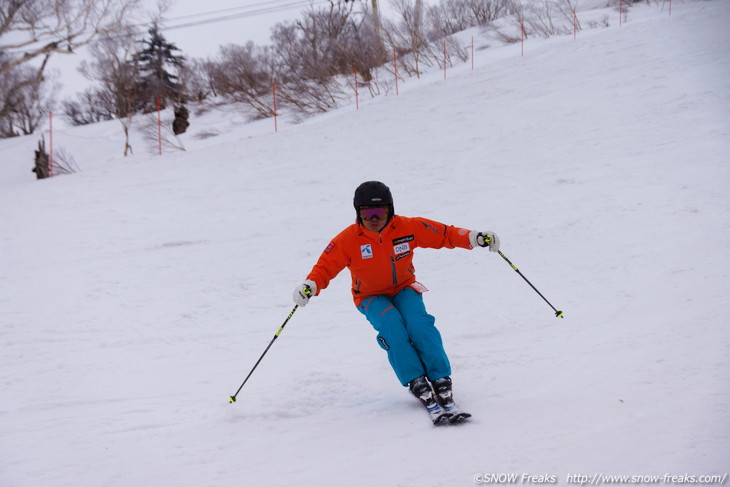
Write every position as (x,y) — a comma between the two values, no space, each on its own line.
(373,193)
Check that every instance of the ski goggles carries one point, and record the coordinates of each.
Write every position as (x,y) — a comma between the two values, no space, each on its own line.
(379,213)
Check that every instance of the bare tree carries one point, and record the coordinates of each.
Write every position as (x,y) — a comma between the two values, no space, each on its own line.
(543,18)
(91,106)
(241,74)
(361,46)
(517,22)
(486,11)
(311,61)
(33,104)
(318,35)
(28,104)
(156,134)
(312,51)
(63,162)
(194,78)
(40,28)
(407,34)
(454,16)
(33,30)
(377,24)
(418,36)
(116,70)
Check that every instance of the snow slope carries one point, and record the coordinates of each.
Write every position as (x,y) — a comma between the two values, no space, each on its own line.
(136,295)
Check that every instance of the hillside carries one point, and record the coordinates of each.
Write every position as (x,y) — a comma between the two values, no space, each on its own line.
(136,294)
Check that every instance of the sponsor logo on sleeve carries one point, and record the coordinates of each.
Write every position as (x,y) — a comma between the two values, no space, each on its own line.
(329,248)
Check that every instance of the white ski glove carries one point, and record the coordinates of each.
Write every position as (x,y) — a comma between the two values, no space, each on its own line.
(303,292)
(484,239)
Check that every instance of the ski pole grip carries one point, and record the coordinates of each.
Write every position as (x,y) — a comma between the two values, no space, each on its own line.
(486,238)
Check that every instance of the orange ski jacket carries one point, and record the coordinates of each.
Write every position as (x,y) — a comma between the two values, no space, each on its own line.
(382,263)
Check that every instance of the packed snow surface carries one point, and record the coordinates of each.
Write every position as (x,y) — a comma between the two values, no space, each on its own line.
(137,293)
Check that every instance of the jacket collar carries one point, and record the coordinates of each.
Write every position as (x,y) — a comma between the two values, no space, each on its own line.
(390,227)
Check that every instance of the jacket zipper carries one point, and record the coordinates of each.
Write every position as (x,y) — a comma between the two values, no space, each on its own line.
(392,265)
(392,262)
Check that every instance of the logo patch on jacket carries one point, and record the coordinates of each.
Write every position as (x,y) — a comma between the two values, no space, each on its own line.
(366,251)
(401,256)
(400,240)
(401,248)
(330,247)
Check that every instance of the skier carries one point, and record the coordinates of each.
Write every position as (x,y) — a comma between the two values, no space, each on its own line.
(378,251)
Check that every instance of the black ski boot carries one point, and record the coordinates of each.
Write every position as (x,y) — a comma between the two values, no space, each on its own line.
(420,388)
(442,387)
(445,399)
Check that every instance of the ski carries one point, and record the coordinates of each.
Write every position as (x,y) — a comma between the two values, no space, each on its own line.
(439,405)
(445,398)
(438,415)
(456,414)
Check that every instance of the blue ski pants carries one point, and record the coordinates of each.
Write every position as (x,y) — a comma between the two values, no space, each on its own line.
(407,332)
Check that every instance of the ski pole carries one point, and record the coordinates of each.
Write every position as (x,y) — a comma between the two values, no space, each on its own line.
(558,313)
(232,398)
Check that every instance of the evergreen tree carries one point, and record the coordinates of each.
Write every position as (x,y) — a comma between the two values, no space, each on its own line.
(159,68)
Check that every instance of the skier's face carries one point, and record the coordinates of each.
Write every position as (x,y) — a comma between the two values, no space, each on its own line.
(373,217)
